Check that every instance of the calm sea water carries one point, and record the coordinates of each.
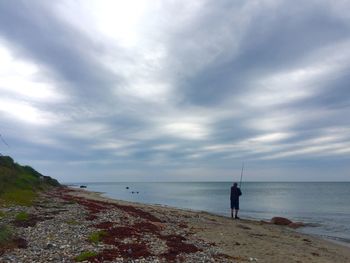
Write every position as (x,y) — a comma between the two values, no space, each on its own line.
(325,205)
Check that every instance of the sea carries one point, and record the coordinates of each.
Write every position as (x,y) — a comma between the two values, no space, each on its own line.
(324,206)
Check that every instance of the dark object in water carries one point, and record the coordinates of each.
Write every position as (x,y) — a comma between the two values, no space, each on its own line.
(137,192)
(127,187)
(83,186)
(132,192)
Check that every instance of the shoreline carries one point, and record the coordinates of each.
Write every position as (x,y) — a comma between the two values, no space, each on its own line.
(334,240)
(324,241)
(67,222)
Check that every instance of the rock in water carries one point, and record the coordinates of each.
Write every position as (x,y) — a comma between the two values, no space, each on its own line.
(280,221)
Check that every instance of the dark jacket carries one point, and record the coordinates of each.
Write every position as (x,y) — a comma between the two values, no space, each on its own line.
(235,193)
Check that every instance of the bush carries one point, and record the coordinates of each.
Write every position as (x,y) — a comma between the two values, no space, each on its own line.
(22,216)
(85,255)
(96,237)
(6,234)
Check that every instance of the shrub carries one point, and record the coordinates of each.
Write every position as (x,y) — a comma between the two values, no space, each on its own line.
(85,255)
(96,237)
(6,234)
(22,216)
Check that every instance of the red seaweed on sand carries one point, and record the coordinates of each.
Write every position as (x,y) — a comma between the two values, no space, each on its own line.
(104,225)
(147,227)
(137,212)
(131,251)
(117,233)
(98,206)
(30,222)
(177,246)
(18,242)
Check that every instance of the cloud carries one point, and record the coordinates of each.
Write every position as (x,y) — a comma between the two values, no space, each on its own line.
(136,88)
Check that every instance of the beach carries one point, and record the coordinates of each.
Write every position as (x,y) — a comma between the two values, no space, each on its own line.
(325,213)
(68,225)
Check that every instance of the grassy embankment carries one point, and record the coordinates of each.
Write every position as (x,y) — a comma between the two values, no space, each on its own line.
(19,184)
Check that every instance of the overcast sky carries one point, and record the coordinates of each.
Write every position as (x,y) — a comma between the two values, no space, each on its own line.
(177,90)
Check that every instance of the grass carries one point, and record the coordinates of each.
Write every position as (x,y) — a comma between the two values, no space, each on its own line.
(22,216)
(19,197)
(19,184)
(6,234)
(72,222)
(85,255)
(2,214)
(96,237)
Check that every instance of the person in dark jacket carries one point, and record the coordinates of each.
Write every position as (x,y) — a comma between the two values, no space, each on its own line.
(235,194)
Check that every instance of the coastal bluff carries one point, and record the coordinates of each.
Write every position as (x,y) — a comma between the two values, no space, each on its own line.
(20,184)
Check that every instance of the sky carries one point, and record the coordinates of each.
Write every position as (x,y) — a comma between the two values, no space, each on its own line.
(177,90)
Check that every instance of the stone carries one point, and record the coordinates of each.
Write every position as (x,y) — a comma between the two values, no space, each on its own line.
(49,246)
(281,221)
(153,236)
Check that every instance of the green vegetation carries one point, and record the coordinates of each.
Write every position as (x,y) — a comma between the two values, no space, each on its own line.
(22,216)
(2,214)
(19,197)
(6,234)
(72,222)
(20,184)
(85,256)
(96,237)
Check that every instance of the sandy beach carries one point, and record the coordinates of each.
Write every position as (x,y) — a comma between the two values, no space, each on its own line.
(64,222)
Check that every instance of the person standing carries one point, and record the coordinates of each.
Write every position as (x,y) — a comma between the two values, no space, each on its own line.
(235,194)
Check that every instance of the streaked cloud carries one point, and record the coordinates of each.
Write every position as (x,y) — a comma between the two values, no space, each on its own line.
(164,90)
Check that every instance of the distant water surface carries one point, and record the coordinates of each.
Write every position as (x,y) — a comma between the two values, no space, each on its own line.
(326,205)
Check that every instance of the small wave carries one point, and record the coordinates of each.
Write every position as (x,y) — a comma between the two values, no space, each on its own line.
(339,240)
(313,225)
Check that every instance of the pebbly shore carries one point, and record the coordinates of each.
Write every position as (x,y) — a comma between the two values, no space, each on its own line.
(67,225)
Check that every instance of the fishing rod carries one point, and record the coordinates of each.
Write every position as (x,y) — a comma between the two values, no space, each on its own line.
(240,183)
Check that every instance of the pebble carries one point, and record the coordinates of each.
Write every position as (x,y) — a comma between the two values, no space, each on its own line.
(65,235)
